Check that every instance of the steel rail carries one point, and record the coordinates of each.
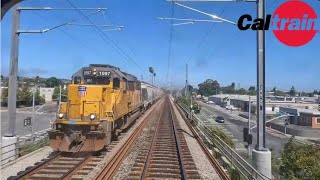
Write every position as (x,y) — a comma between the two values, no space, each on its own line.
(36,168)
(212,160)
(182,168)
(146,165)
(110,169)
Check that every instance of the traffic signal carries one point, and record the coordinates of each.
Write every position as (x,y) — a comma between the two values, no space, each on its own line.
(249,139)
(245,134)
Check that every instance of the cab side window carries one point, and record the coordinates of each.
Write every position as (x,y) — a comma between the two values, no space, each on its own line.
(125,84)
(138,85)
(77,80)
(116,83)
(131,86)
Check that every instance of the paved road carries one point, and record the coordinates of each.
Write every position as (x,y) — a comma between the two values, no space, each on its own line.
(234,127)
(44,114)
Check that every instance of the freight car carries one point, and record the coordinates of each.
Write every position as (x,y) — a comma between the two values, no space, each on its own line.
(102,102)
(150,94)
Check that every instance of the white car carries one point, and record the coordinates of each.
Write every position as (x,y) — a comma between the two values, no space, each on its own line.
(210,102)
(233,108)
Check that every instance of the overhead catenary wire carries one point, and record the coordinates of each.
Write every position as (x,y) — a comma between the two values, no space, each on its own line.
(236,35)
(170,42)
(103,35)
(203,38)
(65,32)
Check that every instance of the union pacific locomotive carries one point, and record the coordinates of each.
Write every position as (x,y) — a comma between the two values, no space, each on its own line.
(102,102)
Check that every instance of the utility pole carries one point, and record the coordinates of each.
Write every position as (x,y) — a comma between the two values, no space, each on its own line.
(14,54)
(33,110)
(186,89)
(59,95)
(33,104)
(249,126)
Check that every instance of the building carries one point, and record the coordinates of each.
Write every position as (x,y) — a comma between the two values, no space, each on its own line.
(242,103)
(47,93)
(303,117)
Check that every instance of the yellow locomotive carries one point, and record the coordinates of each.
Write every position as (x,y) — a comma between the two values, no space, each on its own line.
(102,101)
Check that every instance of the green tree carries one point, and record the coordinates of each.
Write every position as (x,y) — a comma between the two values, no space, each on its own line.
(209,87)
(24,94)
(53,82)
(252,90)
(4,93)
(292,91)
(229,89)
(242,91)
(300,161)
(56,93)
(39,99)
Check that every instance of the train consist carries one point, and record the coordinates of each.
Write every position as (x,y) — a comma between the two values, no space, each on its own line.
(102,102)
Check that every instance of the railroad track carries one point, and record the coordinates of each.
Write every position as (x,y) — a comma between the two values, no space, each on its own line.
(168,155)
(221,172)
(69,166)
(165,156)
(56,167)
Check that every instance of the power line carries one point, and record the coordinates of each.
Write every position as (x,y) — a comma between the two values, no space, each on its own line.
(204,37)
(104,35)
(170,42)
(65,32)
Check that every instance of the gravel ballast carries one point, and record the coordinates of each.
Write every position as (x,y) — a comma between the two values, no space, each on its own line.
(204,167)
(117,147)
(22,163)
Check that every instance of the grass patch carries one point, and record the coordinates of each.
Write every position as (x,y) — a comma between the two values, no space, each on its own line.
(30,147)
(223,136)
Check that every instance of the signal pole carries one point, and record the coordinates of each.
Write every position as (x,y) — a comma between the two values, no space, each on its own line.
(186,89)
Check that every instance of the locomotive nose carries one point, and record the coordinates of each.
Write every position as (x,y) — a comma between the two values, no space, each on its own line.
(85,101)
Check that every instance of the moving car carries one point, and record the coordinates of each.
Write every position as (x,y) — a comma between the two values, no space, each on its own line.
(219,119)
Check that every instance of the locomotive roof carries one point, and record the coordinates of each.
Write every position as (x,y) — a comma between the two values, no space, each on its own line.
(106,67)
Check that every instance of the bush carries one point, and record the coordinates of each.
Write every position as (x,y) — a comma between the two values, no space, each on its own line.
(300,161)
(223,136)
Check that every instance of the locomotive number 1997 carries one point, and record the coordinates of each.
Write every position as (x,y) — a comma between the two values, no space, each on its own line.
(104,73)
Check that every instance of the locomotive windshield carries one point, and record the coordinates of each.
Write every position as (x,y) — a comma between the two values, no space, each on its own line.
(97,80)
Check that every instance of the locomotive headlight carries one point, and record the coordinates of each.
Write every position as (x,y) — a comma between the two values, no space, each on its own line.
(94,72)
(61,115)
(92,116)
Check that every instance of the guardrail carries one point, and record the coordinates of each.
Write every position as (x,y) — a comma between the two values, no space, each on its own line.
(22,146)
(237,162)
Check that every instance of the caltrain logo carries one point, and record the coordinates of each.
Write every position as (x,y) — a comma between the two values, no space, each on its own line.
(293,23)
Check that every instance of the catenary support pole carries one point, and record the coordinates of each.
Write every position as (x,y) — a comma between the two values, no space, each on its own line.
(13,72)
(249,126)
(261,155)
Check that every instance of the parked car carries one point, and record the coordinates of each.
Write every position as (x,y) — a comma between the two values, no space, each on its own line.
(219,119)
(210,102)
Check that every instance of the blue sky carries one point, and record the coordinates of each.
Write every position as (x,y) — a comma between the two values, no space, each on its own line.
(222,52)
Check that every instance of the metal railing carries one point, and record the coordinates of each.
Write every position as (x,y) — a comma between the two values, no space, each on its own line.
(239,163)
(23,146)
